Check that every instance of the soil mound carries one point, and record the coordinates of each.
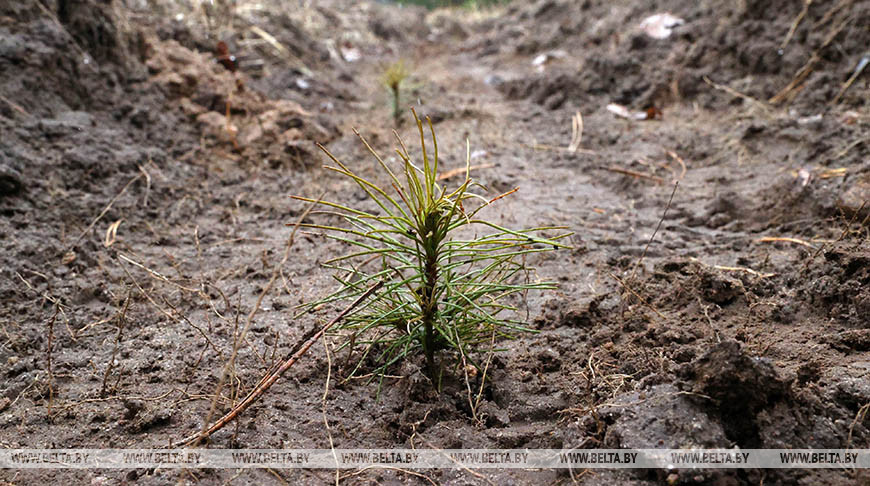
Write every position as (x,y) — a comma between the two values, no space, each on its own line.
(766,50)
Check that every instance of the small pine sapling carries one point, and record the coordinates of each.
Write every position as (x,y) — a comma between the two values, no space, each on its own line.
(443,289)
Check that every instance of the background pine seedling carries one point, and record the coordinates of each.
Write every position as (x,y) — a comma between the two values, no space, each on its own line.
(393,77)
(441,291)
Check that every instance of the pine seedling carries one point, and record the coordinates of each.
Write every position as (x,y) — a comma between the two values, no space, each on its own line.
(443,289)
(392,78)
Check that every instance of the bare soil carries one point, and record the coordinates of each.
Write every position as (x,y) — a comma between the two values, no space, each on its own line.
(143,209)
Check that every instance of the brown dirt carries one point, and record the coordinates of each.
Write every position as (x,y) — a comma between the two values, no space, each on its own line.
(712,336)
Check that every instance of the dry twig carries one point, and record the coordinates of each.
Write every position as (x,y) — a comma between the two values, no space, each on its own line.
(270,379)
(632,173)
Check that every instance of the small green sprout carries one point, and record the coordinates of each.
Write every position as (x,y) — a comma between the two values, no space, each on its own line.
(442,290)
(392,78)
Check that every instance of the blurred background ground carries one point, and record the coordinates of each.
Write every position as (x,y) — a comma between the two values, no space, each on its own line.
(144,178)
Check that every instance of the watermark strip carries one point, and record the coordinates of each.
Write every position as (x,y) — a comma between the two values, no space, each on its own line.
(431,459)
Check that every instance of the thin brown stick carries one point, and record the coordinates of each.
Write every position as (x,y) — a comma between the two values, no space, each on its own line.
(241,337)
(810,65)
(651,238)
(858,70)
(461,170)
(178,320)
(122,318)
(15,106)
(842,235)
(796,23)
(737,94)
(102,213)
(635,174)
(638,296)
(48,360)
(271,379)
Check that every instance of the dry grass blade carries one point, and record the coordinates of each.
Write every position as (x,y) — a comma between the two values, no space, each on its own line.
(554,148)
(155,273)
(842,235)
(112,233)
(832,173)
(680,161)
(773,239)
(102,213)
(576,132)
(743,270)
(791,89)
(858,70)
(859,418)
(181,318)
(379,467)
(830,13)
(796,23)
(323,408)
(282,51)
